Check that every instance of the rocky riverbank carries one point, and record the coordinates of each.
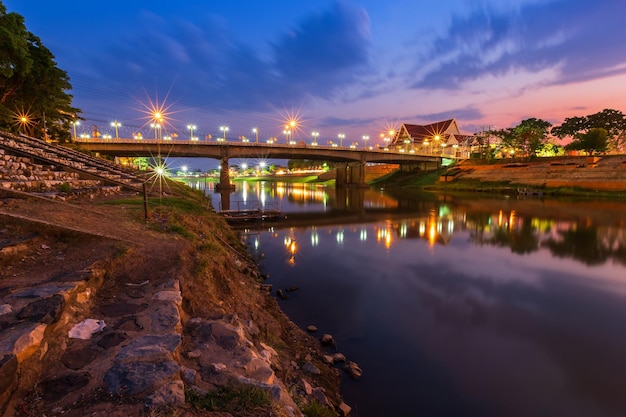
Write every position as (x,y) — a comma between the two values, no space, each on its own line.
(104,313)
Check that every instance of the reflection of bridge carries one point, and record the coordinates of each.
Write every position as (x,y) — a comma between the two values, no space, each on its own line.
(351,172)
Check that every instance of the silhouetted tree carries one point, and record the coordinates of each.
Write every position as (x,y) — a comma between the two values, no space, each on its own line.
(613,121)
(33,90)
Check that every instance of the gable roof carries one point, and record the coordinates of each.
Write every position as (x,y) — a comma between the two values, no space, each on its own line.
(425,133)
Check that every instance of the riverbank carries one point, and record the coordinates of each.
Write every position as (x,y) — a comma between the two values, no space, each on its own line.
(603,177)
(184,324)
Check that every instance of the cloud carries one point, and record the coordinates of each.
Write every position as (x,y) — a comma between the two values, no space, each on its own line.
(581,39)
(203,61)
(468,113)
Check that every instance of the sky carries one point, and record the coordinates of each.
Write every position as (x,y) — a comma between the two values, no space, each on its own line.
(356,67)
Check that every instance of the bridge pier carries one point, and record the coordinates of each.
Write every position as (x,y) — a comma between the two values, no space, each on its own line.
(224,184)
(351,175)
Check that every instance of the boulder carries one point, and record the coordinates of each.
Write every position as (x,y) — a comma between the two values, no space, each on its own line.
(353,370)
(310,368)
(327,340)
(137,377)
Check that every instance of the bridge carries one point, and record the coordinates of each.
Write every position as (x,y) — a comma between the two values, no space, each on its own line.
(351,172)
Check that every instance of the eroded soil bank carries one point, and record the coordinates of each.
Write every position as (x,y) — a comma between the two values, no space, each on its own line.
(188,325)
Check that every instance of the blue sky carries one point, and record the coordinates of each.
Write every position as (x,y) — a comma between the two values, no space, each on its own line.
(348,66)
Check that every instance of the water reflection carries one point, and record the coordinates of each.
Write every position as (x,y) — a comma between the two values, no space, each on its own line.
(482,307)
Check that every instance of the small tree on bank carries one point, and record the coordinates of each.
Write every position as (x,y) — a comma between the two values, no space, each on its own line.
(593,141)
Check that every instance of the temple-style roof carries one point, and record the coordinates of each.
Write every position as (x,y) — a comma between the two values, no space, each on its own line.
(419,134)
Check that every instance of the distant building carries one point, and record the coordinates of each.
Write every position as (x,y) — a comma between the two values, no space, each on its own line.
(440,138)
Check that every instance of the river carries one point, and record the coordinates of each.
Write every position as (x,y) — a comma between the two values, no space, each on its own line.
(455,306)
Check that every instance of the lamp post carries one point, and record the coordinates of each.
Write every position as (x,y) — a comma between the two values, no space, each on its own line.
(315,136)
(256,133)
(224,129)
(74,124)
(341,136)
(286,132)
(116,125)
(156,127)
(191,129)
(365,139)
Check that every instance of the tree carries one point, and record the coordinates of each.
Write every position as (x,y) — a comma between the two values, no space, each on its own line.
(33,90)
(527,138)
(612,121)
(593,141)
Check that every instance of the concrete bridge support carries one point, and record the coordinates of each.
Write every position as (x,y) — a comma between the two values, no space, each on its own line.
(224,184)
(351,175)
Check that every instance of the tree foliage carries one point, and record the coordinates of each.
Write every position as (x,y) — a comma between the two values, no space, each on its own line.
(612,121)
(595,140)
(33,90)
(527,138)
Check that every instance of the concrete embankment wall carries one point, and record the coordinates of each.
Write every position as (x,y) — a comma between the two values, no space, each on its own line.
(602,173)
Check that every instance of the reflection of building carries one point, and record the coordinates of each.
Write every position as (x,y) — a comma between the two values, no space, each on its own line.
(440,138)
(434,228)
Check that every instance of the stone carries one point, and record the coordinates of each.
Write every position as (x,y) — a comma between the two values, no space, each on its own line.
(225,335)
(353,370)
(345,409)
(47,310)
(165,318)
(281,294)
(5,309)
(260,370)
(194,354)
(169,295)
(320,396)
(136,377)
(150,348)
(339,357)
(308,389)
(188,375)
(327,340)
(171,394)
(86,328)
(311,328)
(310,368)
(28,341)
(328,359)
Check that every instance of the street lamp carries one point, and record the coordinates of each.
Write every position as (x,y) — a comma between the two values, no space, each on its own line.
(156,127)
(116,125)
(286,132)
(365,139)
(315,136)
(341,136)
(224,129)
(256,133)
(75,123)
(191,129)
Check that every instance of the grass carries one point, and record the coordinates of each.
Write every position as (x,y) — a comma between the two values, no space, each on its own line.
(240,400)
(315,409)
